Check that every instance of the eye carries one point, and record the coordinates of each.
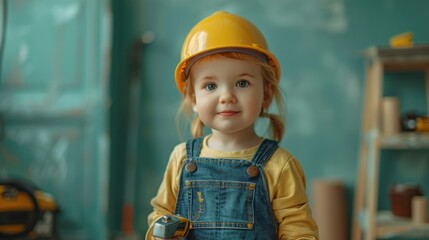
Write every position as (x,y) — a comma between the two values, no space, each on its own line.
(210,86)
(242,83)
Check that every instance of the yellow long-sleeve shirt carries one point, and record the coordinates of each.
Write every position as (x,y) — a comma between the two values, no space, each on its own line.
(286,186)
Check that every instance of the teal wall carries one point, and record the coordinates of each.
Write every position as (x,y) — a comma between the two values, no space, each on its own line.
(319,46)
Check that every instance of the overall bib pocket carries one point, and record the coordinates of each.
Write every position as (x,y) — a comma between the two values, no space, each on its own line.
(220,204)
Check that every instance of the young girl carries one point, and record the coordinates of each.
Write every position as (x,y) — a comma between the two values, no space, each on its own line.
(232,183)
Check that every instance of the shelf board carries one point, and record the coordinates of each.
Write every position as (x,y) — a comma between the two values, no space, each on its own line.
(405,140)
(414,58)
(383,51)
(389,225)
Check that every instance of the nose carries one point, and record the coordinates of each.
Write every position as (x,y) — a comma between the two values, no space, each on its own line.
(227,96)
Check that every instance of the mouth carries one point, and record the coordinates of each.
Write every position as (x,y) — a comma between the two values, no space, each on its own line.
(228,113)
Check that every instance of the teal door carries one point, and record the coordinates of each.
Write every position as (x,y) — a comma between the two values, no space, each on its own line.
(54,103)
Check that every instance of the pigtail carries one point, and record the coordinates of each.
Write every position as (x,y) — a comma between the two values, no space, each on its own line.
(197,127)
(276,126)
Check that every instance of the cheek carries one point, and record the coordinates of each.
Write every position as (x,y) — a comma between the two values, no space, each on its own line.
(201,102)
(256,104)
(259,98)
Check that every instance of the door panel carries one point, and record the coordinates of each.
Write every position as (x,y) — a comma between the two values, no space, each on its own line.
(54,101)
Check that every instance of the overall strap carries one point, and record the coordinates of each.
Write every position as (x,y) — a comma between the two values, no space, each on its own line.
(265,151)
(193,147)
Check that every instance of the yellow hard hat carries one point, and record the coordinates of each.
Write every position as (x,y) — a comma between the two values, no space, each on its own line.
(222,32)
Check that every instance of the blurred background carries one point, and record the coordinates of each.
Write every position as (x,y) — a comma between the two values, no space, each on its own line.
(88,100)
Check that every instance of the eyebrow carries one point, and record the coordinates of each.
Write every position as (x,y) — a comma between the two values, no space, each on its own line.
(209,77)
(205,79)
(246,74)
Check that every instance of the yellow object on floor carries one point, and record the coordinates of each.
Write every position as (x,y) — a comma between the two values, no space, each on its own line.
(26,212)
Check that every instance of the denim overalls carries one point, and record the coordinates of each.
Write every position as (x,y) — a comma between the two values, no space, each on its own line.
(226,198)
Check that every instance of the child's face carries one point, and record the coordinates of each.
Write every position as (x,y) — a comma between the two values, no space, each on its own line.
(229,93)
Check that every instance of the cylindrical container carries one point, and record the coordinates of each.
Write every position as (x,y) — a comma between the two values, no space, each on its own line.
(419,212)
(330,208)
(401,196)
(390,115)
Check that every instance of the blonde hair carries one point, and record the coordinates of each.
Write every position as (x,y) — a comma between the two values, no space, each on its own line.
(271,91)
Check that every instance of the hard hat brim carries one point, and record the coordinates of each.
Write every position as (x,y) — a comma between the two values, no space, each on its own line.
(183,68)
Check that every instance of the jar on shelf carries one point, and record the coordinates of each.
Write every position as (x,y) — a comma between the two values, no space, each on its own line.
(401,196)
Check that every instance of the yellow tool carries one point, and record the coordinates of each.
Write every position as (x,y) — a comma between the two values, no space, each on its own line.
(422,124)
(26,212)
(171,226)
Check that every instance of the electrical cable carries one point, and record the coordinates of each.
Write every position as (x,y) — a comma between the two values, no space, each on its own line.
(3,33)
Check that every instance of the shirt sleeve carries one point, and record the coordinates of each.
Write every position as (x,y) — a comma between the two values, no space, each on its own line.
(290,204)
(165,200)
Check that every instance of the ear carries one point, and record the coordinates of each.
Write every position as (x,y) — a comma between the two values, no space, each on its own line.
(268,95)
(194,103)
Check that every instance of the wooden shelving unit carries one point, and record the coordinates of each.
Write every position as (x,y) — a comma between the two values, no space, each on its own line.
(368,222)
